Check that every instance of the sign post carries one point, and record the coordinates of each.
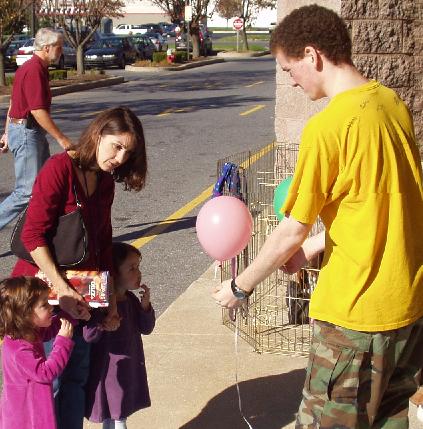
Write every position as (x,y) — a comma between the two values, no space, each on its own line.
(188,18)
(238,24)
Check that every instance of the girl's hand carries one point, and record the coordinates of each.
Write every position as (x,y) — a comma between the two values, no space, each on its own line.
(112,321)
(66,330)
(145,299)
(73,303)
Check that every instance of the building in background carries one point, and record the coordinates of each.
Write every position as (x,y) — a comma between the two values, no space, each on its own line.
(144,11)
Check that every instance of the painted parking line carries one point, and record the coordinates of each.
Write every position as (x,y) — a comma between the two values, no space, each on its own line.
(181,110)
(183,211)
(166,112)
(255,83)
(86,115)
(254,109)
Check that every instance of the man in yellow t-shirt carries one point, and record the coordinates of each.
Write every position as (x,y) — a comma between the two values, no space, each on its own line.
(359,170)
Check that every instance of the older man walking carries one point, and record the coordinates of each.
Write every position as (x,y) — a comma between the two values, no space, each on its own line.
(28,120)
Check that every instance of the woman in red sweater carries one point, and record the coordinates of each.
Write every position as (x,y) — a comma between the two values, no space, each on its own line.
(111,149)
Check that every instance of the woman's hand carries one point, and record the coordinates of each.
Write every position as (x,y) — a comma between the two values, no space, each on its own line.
(73,303)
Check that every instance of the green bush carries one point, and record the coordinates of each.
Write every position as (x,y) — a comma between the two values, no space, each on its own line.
(180,56)
(158,57)
(57,74)
(9,80)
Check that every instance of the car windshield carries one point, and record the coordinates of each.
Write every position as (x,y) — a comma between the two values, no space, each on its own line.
(108,43)
(29,42)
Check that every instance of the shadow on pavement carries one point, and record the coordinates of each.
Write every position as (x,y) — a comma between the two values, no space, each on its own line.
(157,228)
(267,402)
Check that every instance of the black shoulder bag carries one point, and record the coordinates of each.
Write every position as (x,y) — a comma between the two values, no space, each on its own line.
(68,246)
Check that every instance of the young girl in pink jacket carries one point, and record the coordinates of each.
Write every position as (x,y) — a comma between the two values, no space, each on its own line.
(26,320)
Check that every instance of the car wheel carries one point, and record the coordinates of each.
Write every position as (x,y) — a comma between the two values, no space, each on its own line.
(61,64)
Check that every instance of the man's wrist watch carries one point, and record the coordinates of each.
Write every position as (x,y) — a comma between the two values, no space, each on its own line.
(238,292)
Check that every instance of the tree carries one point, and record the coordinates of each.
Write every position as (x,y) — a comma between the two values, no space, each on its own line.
(12,20)
(80,21)
(176,9)
(245,9)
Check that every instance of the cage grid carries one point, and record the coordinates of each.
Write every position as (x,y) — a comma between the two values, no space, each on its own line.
(275,319)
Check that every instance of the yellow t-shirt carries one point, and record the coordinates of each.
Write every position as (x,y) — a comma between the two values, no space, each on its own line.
(359,168)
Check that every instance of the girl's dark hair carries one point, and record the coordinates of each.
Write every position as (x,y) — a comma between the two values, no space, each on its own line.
(120,252)
(18,297)
(314,26)
(119,120)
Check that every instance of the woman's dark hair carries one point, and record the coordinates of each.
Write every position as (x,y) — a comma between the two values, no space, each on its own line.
(313,26)
(119,120)
(18,297)
(120,252)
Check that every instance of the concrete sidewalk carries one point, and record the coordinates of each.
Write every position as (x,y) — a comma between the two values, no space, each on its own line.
(191,365)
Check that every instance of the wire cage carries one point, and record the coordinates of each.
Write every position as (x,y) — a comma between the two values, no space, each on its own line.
(276,317)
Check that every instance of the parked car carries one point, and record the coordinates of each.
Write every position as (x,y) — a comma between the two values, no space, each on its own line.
(111,51)
(154,28)
(67,59)
(25,52)
(144,46)
(158,40)
(206,45)
(127,29)
(169,30)
(11,53)
(272,26)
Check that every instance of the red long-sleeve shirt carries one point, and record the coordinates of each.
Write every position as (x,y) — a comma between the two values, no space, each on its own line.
(53,196)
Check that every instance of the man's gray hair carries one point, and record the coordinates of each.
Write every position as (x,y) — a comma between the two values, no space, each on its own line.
(45,37)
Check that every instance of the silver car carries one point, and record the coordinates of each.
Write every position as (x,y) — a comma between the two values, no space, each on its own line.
(158,40)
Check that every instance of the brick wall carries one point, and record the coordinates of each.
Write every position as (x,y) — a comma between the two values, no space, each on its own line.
(387,40)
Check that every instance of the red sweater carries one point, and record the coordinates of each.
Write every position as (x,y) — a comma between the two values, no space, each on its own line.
(53,196)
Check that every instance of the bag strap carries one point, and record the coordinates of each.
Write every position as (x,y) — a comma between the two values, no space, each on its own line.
(78,203)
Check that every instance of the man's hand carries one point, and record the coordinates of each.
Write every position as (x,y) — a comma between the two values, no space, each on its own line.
(224,296)
(295,263)
(4,144)
(65,143)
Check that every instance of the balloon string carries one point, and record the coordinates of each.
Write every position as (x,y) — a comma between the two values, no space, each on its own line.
(236,376)
(232,315)
(233,267)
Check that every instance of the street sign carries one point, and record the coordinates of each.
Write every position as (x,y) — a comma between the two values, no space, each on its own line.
(188,13)
(238,23)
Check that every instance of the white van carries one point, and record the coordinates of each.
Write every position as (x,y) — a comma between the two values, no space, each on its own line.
(130,28)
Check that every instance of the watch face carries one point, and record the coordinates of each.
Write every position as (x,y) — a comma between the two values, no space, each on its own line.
(240,294)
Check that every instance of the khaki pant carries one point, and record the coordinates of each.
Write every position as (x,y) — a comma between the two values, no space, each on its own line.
(360,379)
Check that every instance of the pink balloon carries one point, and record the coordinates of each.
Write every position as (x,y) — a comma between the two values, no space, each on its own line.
(224,227)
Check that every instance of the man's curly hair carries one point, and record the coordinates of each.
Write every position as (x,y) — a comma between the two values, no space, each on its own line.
(18,297)
(314,26)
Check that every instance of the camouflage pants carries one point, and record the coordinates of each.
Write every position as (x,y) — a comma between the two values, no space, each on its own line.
(360,380)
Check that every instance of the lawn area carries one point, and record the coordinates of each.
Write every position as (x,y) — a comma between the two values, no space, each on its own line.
(256,42)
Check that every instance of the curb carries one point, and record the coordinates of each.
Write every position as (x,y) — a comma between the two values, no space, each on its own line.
(177,68)
(232,55)
(76,87)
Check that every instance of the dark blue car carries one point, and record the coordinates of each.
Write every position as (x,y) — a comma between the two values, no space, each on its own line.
(111,51)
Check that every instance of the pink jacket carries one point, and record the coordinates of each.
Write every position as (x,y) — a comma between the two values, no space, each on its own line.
(27,397)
